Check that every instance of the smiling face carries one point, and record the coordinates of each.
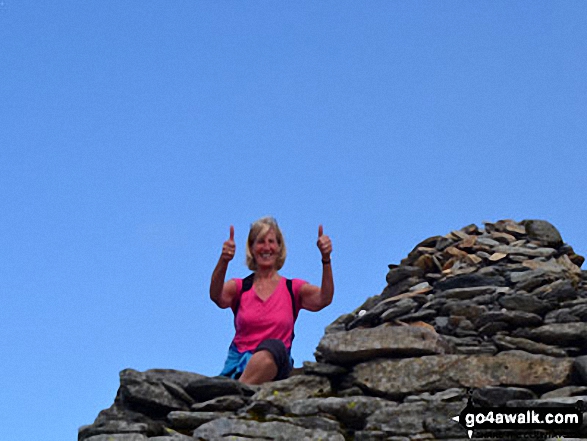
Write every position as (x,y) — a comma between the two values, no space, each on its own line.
(265,245)
(266,250)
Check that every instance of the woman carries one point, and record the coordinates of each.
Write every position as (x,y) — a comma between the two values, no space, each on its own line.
(265,311)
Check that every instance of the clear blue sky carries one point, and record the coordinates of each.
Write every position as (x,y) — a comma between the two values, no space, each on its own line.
(133,134)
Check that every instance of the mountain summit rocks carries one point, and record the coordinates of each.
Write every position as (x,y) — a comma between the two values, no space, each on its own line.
(495,314)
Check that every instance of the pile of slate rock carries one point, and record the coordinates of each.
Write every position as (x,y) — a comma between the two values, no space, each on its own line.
(493,316)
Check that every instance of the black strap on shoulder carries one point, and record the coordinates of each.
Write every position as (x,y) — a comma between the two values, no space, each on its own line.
(289,284)
(248,284)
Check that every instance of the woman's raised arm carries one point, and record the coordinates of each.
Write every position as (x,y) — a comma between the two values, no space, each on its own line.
(223,293)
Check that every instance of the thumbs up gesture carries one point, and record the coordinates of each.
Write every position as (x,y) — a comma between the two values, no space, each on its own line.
(324,244)
(228,247)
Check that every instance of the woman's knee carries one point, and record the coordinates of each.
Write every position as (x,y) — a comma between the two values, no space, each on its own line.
(264,359)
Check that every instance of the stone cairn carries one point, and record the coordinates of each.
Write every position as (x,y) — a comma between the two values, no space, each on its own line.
(493,315)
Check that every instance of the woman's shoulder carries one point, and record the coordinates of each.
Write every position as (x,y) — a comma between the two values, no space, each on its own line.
(296,283)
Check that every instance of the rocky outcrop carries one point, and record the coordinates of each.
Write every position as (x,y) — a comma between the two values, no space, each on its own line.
(496,316)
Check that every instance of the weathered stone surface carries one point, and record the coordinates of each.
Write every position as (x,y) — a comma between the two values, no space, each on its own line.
(468,292)
(397,378)
(453,394)
(274,430)
(118,418)
(561,333)
(149,390)
(190,420)
(205,389)
(558,291)
(568,391)
(580,365)
(404,306)
(417,418)
(172,436)
(224,403)
(281,393)
(326,423)
(328,370)
(544,232)
(385,340)
(352,411)
(512,318)
(119,437)
(469,281)
(524,302)
(506,343)
(400,273)
(492,396)
(525,251)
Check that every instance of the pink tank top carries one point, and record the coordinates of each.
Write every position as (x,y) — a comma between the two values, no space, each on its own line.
(258,320)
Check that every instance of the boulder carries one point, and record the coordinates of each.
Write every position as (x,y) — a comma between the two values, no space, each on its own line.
(397,378)
(362,344)
(227,428)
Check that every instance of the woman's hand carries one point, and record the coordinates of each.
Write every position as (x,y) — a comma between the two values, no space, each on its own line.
(324,244)
(314,298)
(228,248)
(223,293)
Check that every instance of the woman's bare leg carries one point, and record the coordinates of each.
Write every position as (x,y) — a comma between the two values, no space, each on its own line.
(260,369)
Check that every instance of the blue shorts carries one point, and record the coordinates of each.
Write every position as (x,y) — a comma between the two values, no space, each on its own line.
(236,362)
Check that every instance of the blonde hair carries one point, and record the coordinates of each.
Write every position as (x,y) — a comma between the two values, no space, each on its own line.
(259,230)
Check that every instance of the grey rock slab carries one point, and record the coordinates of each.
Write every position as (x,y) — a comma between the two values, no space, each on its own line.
(488,242)
(558,291)
(281,393)
(526,274)
(512,318)
(273,430)
(119,437)
(400,273)
(259,409)
(423,315)
(568,391)
(172,435)
(207,388)
(152,392)
(567,334)
(548,402)
(416,418)
(118,419)
(464,308)
(467,292)
(544,232)
(581,368)
(325,369)
(310,422)
(225,403)
(190,420)
(403,306)
(116,427)
(524,302)
(373,435)
(397,378)
(560,316)
(351,411)
(181,378)
(525,251)
(505,342)
(492,396)
(468,281)
(340,323)
(405,419)
(363,344)
(453,394)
